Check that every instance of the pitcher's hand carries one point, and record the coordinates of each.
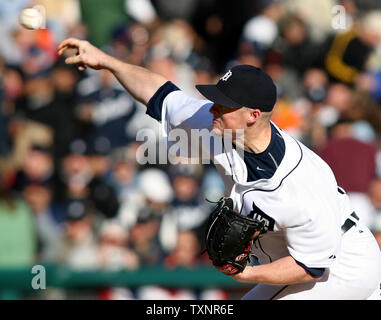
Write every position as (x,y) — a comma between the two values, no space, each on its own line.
(87,54)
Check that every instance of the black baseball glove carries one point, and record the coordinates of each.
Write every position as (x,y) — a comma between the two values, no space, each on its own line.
(229,237)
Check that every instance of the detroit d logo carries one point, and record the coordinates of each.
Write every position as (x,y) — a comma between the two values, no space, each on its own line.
(226,76)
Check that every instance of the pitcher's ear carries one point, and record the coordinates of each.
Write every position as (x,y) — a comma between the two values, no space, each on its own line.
(254,115)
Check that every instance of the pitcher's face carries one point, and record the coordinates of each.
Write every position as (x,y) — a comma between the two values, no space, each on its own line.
(227,118)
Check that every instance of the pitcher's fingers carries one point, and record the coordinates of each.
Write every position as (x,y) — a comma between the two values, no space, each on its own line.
(68,43)
(71,42)
(74,60)
(62,50)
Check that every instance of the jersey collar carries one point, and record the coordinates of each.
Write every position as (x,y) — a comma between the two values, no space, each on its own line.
(293,156)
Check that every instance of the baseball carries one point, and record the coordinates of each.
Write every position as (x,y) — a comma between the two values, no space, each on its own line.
(31,19)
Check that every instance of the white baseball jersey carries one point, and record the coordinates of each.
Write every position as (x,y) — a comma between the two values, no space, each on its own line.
(302,206)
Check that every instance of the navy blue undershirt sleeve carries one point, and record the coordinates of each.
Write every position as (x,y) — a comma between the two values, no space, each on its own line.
(155,104)
(315,272)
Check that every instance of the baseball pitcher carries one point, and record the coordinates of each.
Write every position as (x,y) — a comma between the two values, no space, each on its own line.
(282,202)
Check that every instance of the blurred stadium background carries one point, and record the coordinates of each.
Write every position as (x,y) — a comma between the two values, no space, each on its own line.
(73,197)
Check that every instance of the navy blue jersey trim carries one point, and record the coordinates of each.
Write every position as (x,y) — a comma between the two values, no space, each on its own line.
(155,104)
(315,272)
(280,183)
(264,164)
(340,190)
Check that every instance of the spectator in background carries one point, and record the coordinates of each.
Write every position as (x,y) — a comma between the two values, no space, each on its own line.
(340,97)
(220,24)
(123,173)
(75,175)
(37,167)
(313,114)
(347,53)
(114,248)
(36,183)
(172,9)
(173,52)
(286,79)
(79,246)
(105,110)
(366,111)
(13,80)
(33,50)
(83,183)
(102,194)
(48,219)
(18,238)
(11,89)
(131,42)
(247,54)
(143,214)
(23,134)
(154,198)
(186,253)
(60,114)
(39,95)
(370,82)
(49,99)
(287,116)
(144,238)
(204,72)
(188,210)
(298,50)
(262,29)
(315,85)
(354,165)
(318,15)
(212,187)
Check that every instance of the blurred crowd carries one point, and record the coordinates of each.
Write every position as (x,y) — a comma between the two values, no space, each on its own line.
(72,189)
